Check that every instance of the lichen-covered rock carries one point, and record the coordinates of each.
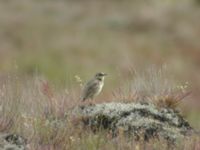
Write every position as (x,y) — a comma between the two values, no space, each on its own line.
(12,142)
(135,119)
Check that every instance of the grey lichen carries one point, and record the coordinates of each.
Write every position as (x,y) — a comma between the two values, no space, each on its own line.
(12,142)
(142,121)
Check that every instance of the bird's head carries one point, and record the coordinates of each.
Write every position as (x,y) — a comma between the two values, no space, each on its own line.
(100,76)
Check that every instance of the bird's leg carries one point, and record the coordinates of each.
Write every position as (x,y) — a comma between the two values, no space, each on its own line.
(87,102)
(81,103)
(91,102)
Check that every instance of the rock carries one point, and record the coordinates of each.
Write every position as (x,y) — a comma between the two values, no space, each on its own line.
(141,121)
(12,142)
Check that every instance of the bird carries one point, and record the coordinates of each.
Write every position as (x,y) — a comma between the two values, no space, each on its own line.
(93,87)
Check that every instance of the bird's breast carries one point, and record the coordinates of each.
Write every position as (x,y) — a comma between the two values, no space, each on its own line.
(100,88)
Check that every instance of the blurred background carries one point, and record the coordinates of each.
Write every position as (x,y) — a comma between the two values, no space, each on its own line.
(64,38)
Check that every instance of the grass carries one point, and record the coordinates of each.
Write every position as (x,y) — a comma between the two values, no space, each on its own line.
(37,110)
(155,85)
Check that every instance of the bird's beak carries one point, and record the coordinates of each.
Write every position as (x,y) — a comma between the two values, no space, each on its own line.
(105,74)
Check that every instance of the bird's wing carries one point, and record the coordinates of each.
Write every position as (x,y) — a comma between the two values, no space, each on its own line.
(89,88)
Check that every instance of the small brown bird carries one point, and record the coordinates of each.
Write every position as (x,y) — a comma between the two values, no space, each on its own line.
(93,87)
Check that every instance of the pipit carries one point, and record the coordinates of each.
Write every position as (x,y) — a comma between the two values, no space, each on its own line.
(93,87)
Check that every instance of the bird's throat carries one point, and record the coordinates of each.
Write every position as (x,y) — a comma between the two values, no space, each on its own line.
(100,79)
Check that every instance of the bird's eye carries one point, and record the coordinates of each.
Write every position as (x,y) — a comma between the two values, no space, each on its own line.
(100,74)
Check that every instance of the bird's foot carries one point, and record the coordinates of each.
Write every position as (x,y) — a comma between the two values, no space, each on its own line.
(91,102)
